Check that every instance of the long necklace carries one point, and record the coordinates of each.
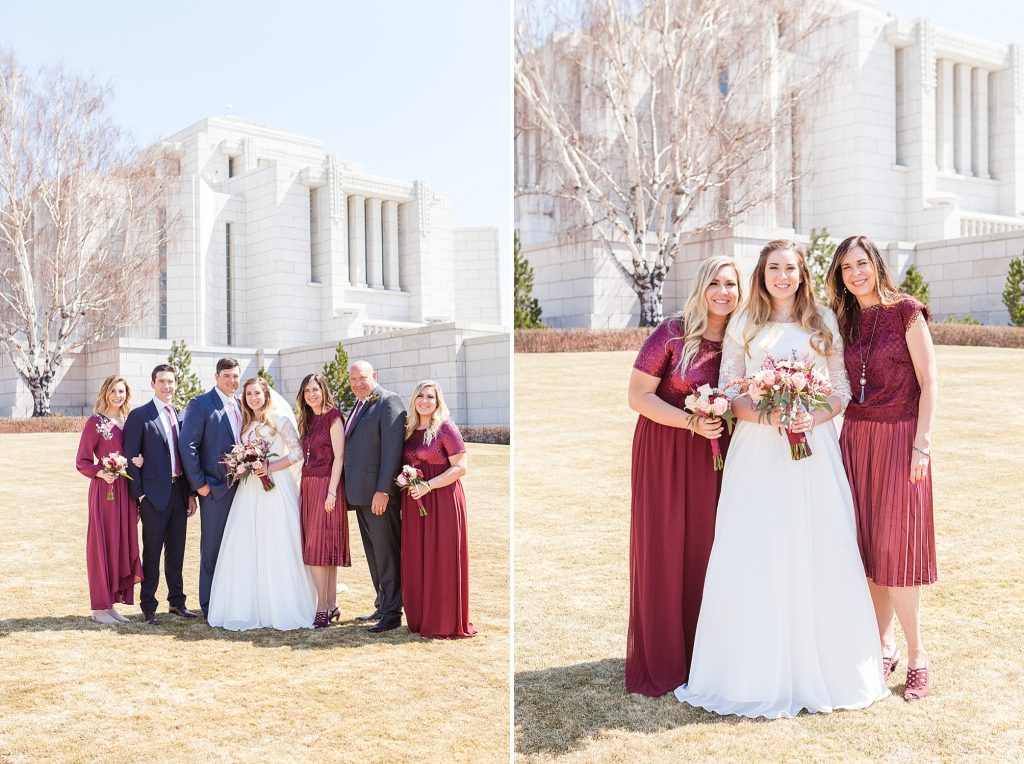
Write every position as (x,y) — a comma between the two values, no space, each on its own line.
(312,436)
(864,358)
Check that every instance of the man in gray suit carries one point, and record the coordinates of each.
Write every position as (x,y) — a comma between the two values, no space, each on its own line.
(374,436)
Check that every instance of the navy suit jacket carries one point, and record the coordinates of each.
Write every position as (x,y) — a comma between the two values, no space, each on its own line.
(206,436)
(144,434)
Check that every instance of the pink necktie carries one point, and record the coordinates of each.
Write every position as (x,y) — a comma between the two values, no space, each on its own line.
(175,469)
(237,415)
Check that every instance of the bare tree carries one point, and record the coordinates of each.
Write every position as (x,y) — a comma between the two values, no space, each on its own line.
(81,217)
(662,119)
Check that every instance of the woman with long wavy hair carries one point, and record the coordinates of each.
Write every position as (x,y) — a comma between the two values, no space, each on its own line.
(675,486)
(886,444)
(786,621)
(435,557)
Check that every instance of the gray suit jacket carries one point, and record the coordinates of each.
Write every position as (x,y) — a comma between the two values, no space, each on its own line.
(373,448)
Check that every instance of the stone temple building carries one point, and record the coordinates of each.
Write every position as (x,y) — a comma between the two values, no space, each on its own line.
(919,144)
(279,250)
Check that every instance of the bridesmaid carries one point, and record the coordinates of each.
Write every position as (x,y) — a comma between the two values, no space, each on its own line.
(112,539)
(435,559)
(675,487)
(886,441)
(322,495)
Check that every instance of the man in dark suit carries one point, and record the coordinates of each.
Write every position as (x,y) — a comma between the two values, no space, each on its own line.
(165,501)
(374,436)
(213,424)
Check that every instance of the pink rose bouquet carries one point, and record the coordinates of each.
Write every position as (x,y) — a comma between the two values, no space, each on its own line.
(114,464)
(710,403)
(245,458)
(407,478)
(786,385)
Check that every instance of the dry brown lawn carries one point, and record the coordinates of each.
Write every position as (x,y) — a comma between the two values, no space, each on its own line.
(573,433)
(73,690)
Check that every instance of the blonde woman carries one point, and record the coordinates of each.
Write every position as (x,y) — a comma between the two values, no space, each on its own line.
(786,622)
(112,540)
(260,579)
(435,559)
(675,486)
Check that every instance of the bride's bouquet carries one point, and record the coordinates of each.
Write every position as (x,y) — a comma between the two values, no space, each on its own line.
(114,464)
(407,478)
(710,403)
(245,458)
(787,385)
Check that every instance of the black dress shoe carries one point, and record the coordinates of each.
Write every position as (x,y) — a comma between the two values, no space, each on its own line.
(386,624)
(183,611)
(374,616)
(149,616)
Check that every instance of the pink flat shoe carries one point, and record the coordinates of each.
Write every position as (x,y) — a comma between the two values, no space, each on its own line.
(889,663)
(918,684)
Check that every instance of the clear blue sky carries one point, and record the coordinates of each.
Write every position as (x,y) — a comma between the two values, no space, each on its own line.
(999,21)
(410,89)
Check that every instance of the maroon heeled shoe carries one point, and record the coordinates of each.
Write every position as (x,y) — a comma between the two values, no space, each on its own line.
(321,619)
(889,663)
(918,685)
(334,615)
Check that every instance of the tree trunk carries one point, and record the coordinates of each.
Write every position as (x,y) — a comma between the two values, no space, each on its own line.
(40,387)
(651,304)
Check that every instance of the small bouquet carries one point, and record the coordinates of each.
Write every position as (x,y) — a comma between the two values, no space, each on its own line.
(407,478)
(114,464)
(244,458)
(710,403)
(785,385)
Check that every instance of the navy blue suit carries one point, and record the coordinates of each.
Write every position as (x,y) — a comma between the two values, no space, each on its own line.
(206,435)
(163,502)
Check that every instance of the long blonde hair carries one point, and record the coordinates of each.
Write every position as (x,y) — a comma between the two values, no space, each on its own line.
(263,415)
(842,301)
(101,399)
(440,415)
(759,304)
(695,313)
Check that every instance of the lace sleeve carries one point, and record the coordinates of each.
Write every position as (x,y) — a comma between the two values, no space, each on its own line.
(291,439)
(733,364)
(837,363)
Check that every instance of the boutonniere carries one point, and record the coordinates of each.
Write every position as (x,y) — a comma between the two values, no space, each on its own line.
(103,428)
(372,399)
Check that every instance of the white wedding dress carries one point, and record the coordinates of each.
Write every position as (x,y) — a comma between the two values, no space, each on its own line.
(786,622)
(260,579)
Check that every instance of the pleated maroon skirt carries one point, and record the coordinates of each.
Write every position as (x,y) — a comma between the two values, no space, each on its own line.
(112,558)
(324,534)
(675,497)
(895,529)
(435,561)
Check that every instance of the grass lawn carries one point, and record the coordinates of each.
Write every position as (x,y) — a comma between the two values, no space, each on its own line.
(73,690)
(573,433)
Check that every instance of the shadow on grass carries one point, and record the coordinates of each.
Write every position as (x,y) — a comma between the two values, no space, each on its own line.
(344,634)
(559,709)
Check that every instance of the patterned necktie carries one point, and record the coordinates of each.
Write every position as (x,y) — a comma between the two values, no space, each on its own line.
(175,466)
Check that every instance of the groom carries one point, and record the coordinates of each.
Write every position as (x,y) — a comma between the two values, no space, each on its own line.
(213,424)
(374,436)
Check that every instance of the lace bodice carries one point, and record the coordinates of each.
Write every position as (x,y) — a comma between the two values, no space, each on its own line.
(284,443)
(779,341)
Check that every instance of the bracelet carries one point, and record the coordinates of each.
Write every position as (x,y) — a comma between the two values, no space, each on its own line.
(923,452)
(332,493)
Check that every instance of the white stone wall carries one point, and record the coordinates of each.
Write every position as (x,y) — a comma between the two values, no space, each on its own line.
(477,281)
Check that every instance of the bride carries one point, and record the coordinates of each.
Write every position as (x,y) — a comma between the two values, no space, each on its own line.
(260,578)
(786,621)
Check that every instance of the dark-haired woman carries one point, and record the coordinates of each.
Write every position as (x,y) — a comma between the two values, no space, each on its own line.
(886,444)
(322,494)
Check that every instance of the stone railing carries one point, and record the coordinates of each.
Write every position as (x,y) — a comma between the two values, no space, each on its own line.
(981,224)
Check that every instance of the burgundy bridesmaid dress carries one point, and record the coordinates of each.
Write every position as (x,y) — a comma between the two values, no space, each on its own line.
(675,495)
(112,539)
(895,530)
(324,534)
(435,558)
